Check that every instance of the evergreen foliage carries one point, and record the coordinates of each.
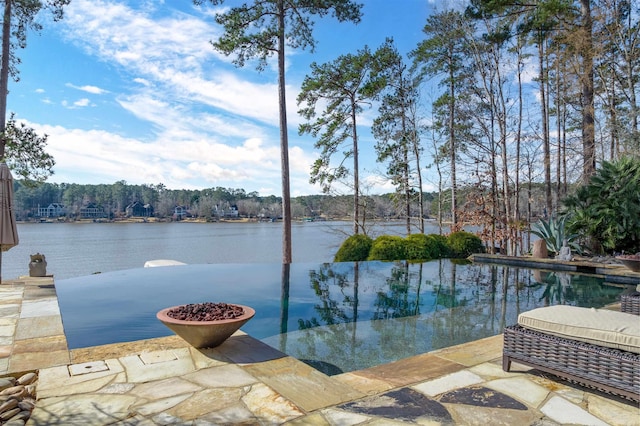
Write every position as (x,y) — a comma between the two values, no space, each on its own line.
(262,28)
(115,197)
(341,88)
(25,153)
(354,249)
(440,245)
(426,247)
(388,247)
(417,247)
(606,211)
(414,247)
(463,244)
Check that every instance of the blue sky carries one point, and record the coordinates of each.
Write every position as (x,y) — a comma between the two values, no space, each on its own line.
(133,90)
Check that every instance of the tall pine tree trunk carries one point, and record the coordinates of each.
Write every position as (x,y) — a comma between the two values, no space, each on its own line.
(405,151)
(4,73)
(545,126)
(356,175)
(452,153)
(416,152)
(516,207)
(284,142)
(588,108)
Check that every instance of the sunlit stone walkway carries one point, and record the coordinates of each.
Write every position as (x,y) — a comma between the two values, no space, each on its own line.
(164,381)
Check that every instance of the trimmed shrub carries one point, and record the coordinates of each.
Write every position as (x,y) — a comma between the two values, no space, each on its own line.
(354,249)
(439,246)
(426,247)
(417,247)
(388,247)
(463,244)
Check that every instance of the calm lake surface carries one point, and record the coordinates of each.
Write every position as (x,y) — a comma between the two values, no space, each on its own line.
(78,249)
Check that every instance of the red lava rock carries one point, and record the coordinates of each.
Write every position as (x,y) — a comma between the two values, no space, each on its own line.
(205,312)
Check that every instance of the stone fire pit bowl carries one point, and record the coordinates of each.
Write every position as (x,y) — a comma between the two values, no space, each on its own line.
(205,334)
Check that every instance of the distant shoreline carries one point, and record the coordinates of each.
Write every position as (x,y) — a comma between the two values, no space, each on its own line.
(160,220)
(222,220)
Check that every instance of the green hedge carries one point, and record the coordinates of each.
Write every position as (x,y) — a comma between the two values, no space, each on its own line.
(464,244)
(356,248)
(426,247)
(359,247)
(388,247)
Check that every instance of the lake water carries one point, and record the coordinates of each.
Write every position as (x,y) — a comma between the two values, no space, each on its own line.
(78,249)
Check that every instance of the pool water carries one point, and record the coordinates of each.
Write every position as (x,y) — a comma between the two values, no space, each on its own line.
(337,317)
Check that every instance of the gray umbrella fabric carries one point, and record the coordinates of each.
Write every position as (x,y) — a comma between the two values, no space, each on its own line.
(8,228)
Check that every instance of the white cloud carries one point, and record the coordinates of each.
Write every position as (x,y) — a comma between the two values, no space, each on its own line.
(173,52)
(89,89)
(115,32)
(142,81)
(211,125)
(192,163)
(82,103)
(530,70)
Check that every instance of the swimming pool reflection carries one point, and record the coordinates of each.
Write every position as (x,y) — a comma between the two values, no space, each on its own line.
(343,316)
(417,308)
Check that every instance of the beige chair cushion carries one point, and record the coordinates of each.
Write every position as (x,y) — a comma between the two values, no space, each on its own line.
(602,327)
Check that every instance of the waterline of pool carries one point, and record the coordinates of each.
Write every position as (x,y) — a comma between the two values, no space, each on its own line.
(337,317)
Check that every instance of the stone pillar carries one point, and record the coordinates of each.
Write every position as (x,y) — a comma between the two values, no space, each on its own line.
(540,249)
(38,266)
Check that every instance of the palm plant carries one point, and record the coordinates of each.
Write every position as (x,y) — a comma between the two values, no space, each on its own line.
(607,209)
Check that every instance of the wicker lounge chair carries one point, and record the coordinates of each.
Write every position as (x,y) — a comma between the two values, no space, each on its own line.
(588,363)
(630,303)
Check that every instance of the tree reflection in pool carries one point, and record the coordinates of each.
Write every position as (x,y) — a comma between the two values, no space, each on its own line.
(337,317)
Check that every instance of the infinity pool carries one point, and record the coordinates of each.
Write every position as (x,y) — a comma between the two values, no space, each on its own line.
(337,317)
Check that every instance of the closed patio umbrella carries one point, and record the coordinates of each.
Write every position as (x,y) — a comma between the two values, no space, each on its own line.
(8,228)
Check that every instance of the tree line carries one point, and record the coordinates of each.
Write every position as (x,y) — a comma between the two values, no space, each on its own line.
(458,103)
(114,199)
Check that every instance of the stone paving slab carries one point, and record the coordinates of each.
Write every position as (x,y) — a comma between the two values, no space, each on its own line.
(40,308)
(230,393)
(39,326)
(302,384)
(448,383)
(410,370)
(116,350)
(38,340)
(32,361)
(482,350)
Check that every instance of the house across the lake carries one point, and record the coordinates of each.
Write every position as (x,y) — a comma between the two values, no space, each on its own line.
(180,212)
(52,210)
(230,211)
(137,209)
(92,211)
